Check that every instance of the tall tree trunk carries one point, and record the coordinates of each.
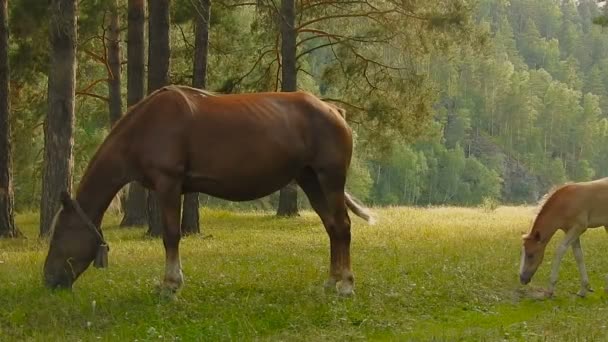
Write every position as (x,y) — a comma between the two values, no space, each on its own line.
(135,206)
(288,196)
(115,104)
(59,122)
(158,76)
(114,73)
(190,215)
(7,220)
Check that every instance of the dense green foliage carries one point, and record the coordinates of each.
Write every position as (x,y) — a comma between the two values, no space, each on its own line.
(528,113)
(453,102)
(442,274)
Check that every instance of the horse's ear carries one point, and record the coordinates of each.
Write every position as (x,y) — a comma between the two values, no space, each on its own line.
(535,236)
(66,200)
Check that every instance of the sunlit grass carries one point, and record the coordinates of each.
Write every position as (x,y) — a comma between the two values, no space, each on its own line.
(421,274)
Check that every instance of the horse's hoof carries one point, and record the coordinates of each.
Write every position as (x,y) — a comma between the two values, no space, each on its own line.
(585,288)
(168,294)
(345,289)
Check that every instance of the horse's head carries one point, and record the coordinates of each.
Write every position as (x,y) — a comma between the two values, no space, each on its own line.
(73,245)
(532,255)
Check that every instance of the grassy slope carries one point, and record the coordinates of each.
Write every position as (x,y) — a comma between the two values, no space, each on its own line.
(421,274)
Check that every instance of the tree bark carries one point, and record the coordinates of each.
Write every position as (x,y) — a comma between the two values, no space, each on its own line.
(158,76)
(202,13)
(115,104)
(59,122)
(288,196)
(135,207)
(7,219)
(114,74)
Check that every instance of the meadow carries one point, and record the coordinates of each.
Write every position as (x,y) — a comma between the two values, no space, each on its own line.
(420,274)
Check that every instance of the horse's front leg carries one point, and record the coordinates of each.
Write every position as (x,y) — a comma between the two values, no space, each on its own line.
(170,202)
(578,256)
(562,248)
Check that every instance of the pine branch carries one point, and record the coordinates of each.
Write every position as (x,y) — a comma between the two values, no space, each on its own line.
(93,95)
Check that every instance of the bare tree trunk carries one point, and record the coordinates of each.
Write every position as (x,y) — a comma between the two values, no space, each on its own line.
(288,196)
(59,122)
(158,76)
(114,75)
(135,206)
(190,215)
(115,104)
(7,219)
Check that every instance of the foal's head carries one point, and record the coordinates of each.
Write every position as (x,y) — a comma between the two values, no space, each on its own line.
(532,255)
(73,246)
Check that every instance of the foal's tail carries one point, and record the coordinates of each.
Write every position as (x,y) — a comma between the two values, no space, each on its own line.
(359,209)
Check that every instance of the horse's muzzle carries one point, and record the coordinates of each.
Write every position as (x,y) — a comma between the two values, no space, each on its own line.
(524,278)
(57,282)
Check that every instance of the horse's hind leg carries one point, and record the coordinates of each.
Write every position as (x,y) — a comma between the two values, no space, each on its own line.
(325,192)
(309,182)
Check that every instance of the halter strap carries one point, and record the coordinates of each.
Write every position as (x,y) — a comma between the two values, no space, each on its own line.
(88,222)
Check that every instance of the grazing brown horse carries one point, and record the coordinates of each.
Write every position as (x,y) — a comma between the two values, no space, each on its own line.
(236,147)
(573,208)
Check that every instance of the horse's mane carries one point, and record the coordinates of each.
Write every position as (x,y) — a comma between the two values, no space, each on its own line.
(196,90)
(546,202)
(340,110)
(128,115)
(177,88)
(180,90)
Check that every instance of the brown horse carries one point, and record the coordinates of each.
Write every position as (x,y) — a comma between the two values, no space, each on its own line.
(573,208)
(236,147)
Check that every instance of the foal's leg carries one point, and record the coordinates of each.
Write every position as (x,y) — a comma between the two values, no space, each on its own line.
(169,196)
(578,256)
(571,235)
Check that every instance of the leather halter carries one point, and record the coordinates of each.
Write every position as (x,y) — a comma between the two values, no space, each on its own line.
(101,257)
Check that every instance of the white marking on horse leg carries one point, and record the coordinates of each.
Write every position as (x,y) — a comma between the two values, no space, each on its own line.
(345,288)
(174,277)
(571,235)
(578,256)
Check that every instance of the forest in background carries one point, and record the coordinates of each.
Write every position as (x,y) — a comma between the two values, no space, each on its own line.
(455,103)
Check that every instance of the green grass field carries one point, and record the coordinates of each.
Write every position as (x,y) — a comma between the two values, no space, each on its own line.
(421,274)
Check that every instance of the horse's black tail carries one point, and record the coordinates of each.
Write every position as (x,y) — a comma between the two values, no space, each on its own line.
(359,209)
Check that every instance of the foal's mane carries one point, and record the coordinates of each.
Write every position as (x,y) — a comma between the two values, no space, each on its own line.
(548,198)
(546,202)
